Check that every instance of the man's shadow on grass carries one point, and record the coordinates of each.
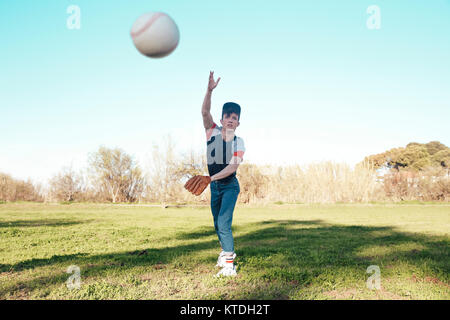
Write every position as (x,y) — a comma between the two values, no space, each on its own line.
(292,253)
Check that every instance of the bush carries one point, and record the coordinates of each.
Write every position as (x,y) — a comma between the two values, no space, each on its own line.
(429,184)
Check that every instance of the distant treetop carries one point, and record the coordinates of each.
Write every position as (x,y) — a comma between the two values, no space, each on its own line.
(415,156)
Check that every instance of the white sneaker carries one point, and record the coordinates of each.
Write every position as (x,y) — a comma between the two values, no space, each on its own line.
(227,271)
(222,260)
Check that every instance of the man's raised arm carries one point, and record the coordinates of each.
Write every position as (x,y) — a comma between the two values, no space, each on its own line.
(206,107)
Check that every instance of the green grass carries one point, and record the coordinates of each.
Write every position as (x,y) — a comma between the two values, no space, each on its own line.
(283,252)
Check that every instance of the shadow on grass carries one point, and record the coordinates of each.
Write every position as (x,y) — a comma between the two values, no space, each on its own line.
(290,253)
(39,223)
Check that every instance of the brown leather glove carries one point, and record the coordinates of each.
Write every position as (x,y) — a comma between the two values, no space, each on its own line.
(197,184)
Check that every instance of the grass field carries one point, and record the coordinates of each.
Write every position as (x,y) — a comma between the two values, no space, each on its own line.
(283,252)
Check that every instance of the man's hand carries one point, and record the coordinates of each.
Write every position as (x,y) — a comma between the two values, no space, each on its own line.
(212,84)
(197,184)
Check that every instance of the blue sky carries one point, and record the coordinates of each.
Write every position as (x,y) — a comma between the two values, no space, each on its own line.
(314,82)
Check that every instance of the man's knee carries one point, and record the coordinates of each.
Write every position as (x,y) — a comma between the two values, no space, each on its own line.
(225,232)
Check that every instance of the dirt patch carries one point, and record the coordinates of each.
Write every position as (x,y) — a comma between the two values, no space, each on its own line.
(147,277)
(20,295)
(353,293)
(7,274)
(430,280)
(204,269)
(340,295)
(383,294)
(437,281)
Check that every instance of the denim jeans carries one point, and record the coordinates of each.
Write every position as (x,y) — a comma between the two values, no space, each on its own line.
(223,200)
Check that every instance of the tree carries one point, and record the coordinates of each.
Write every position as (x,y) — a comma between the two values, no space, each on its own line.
(435,146)
(168,171)
(65,185)
(377,161)
(7,187)
(415,156)
(441,158)
(117,174)
(16,190)
(133,186)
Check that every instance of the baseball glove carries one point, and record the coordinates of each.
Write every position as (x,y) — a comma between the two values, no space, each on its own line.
(197,184)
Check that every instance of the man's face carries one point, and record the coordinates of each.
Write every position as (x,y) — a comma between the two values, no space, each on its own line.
(230,121)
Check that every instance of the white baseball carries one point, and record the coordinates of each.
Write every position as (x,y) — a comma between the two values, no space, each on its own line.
(155,34)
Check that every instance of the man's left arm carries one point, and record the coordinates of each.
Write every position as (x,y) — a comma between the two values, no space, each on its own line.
(229,169)
(235,161)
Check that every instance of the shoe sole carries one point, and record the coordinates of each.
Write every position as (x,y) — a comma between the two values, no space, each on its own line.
(225,275)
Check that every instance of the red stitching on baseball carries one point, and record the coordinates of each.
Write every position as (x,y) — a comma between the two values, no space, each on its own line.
(147,25)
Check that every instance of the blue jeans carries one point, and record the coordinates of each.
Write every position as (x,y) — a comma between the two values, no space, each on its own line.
(223,200)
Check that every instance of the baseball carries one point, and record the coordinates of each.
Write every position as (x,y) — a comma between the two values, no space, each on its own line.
(155,34)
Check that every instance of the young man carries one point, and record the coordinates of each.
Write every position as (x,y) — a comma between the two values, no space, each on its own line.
(225,152)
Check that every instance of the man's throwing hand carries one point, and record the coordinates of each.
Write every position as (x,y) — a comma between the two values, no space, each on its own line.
(212,84)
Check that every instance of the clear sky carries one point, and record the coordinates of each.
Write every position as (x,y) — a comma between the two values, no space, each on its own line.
(314,82)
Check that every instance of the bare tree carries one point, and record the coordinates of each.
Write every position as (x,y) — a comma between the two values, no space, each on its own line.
(7,187)
(133,186)
(66,185)
(163,172)
(168,171)
(117,174)
(15,190)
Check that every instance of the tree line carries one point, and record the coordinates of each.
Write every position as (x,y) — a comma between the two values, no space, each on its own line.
(415,172)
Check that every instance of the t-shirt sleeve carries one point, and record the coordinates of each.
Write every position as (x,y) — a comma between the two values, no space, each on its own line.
(214,130)
(240,149)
